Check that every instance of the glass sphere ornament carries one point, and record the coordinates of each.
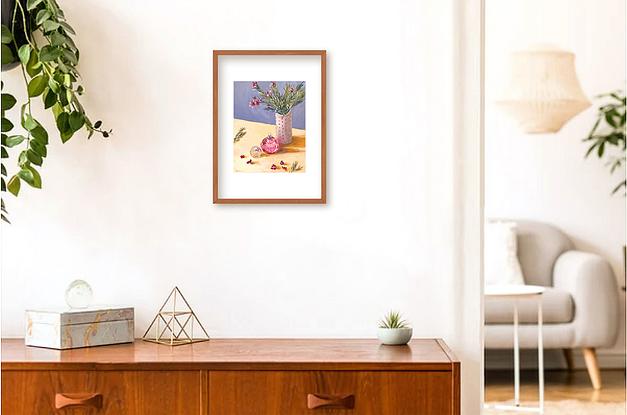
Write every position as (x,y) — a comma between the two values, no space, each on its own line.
(270,145)
(256,152)
(78,294)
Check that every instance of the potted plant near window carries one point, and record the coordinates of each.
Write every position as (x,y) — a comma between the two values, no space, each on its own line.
(282,103)
(607,139)
(608,133)
(37,39)
(393,330)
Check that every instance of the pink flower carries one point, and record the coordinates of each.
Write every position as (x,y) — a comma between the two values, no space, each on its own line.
(291,89)
(254,102)
(272,84)
(273,167)
(254,85)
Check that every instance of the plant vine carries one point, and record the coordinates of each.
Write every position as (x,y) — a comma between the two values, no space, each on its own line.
(48,57)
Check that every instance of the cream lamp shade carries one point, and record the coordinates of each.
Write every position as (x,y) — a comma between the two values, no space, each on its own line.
(543,92)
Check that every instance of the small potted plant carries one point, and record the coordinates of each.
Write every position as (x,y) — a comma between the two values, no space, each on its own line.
(281,102)
(393,330)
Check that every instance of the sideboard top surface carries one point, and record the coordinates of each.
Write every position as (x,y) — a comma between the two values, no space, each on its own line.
(236,354)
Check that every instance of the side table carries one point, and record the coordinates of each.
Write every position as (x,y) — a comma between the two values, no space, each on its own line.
(516,293)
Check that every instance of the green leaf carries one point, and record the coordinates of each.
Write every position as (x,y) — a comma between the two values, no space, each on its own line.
(57,109)
(66,136)
(619,186)
(31,4)
(22,160)
(6,125)
(37,85)
(70,56)
(24,53)
(14,140)
(76,120)
(38,148)
(3,153)
(50,25)
(54,85)
(14,185)
(36,176)
(70,43)
(610,118)
(49,53)
(8,101)
(3,170)
(42,16)
(63,97)
(40,134)
(57,39)
(29,123)
(49,99)
(33,67)
(33,157)
(30,176)
(7,55)
(67,27)
(601,149)
(63,122)
(7,37)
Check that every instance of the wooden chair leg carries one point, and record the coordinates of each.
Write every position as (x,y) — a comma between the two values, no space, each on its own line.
(590,356)
(568,355)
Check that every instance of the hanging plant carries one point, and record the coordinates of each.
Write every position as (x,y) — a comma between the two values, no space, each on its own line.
(37,39)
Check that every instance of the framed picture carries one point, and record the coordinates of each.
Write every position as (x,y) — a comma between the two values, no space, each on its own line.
(269,126)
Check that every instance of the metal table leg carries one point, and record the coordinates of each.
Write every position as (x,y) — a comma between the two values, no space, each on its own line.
(540,357)
(516,358)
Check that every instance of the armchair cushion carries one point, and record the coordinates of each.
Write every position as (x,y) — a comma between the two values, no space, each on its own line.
(557,307)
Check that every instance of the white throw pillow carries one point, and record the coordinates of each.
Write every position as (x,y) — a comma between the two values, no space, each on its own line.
(501,254)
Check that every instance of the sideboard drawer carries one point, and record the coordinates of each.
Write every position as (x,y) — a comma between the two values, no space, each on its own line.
(101,392)
(330,392)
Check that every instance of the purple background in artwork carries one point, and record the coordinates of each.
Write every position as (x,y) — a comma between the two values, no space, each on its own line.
(243,93)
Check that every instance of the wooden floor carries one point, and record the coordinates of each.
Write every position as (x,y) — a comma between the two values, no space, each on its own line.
(559,385)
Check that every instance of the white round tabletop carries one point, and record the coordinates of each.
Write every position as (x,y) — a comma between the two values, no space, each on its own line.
(512,290)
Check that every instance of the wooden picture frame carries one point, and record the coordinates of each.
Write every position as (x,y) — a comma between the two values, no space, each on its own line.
(220,143)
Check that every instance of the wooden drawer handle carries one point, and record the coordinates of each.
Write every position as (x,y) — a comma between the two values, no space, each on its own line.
(317,400)
(62,400)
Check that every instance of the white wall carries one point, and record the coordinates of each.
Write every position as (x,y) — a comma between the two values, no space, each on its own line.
(133,214)
(545,177)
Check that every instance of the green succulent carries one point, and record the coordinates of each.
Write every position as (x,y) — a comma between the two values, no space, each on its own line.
(393,320)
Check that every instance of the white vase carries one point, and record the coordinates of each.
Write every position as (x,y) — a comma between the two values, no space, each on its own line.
(394,337)
(284,128)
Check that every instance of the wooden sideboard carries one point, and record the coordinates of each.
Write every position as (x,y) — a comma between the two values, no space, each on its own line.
(233,377)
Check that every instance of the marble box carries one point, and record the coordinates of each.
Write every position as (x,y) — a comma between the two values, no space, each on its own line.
(73,328)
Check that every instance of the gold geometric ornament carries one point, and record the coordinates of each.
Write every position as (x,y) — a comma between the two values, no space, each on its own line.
(174,323)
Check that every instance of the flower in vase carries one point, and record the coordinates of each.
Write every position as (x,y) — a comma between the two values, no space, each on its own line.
(270,144)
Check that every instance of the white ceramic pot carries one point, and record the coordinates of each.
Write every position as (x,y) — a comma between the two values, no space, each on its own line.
(284,128)
(394,337)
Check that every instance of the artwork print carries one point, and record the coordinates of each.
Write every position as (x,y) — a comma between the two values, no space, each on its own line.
(269,127)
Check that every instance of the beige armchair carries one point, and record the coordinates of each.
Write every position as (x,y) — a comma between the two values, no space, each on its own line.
(580,305)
